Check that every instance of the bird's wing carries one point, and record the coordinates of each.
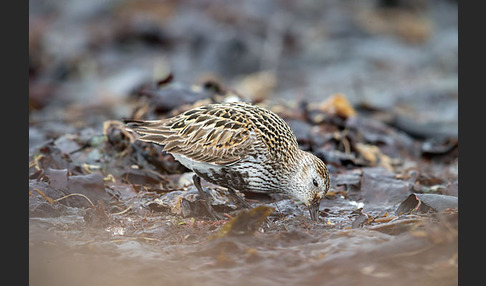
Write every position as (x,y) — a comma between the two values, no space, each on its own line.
(209,134)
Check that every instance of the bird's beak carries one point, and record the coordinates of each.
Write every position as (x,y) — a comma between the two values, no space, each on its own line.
(314,210)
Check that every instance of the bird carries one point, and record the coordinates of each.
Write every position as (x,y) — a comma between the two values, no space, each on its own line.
(239,146)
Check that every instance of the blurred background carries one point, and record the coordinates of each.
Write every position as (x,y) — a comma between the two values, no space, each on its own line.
(392,55)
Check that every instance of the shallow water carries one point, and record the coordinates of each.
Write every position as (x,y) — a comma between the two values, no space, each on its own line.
(158,251)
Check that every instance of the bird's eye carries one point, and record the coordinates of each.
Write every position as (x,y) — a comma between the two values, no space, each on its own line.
(315,182)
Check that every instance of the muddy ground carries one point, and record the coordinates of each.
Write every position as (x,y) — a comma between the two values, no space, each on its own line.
(370,87)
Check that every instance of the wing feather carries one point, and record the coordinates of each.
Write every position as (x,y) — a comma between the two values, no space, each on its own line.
(201,134)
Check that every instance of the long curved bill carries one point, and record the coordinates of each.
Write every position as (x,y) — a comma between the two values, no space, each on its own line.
(314,210)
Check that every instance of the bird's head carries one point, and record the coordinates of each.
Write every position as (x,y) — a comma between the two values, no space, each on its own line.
(310,182)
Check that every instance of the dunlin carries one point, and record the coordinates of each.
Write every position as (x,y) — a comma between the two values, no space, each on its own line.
(242,147)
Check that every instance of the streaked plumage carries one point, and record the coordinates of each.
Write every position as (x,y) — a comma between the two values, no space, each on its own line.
(242,147)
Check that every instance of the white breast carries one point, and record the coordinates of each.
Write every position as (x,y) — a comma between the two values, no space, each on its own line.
(195,165)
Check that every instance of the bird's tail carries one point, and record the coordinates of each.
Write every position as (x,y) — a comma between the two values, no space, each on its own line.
(155,131)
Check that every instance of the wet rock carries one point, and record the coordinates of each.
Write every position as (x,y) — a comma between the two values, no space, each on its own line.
(48,155)
(91,185)
(66,144)
(45,209)
(351,180)
(390,141)
(425,130)
(360,220)
(36,137)
(121,191)
(336,157)
(439,147)
(60,185)
(140,177)
(379,186)
(452,188)
(47,192)
(58,179)
(287,208)
(422,203)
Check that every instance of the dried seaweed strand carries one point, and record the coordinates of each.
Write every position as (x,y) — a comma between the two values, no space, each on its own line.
(75,194)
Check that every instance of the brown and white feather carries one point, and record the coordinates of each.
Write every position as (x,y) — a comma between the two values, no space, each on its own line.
(220,133)
(239,146)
